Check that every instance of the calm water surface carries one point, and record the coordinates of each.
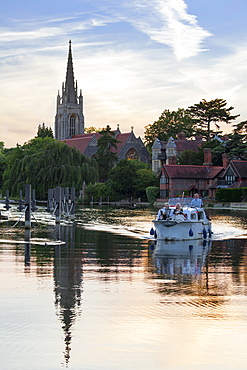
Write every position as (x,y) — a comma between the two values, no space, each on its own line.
(107,297)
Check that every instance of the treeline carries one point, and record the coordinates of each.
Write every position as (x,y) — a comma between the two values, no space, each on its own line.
(45,163)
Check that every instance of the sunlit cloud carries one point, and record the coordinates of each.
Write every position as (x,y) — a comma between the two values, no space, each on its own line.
(168,22)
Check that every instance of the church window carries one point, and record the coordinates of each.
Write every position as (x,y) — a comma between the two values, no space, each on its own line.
(72,125)
(132,154)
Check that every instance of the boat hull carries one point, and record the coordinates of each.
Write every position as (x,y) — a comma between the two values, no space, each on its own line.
(184,230)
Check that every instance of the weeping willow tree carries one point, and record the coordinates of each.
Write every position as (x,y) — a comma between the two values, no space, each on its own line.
(46,163)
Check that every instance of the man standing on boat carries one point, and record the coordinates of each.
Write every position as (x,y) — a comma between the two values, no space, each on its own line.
(196,201)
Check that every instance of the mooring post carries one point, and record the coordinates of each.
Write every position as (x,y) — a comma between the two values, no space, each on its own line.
(72,207)
(27,206)
(58,204)
(66,201)
(33,202)
(27,247)
(7,206)
(20,203)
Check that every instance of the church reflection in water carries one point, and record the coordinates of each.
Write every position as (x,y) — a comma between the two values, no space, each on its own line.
(68,280)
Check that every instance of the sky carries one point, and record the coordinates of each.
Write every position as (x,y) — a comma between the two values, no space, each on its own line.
(132,60)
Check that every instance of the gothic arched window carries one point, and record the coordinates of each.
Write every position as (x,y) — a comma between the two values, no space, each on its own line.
(132,154)
(71,125)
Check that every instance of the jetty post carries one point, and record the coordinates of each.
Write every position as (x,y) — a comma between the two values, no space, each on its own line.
(57,197)
(72,207)
(7,205)
(27,206)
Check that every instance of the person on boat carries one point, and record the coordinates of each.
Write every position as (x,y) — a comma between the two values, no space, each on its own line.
(164,213)
(196,201)
(178,214)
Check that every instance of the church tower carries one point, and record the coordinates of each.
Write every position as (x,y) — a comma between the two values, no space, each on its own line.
(69,118)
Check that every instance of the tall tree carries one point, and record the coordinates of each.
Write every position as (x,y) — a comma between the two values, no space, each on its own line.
(106,156)
(2,162)
(44,131)
(170,123)
(211,112)
(47,163)
(131,178)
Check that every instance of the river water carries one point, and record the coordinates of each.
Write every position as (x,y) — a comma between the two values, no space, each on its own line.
(98,294)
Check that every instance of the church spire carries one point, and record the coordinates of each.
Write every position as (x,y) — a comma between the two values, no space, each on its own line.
(70,90)
(69,120)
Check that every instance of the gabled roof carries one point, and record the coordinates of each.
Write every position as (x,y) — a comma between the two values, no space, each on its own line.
(182,145)
(239,168)
(81,142)
(239,184)
(191,172)
(185,144)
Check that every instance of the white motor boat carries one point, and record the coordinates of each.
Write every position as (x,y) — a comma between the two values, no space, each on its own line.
(191,223)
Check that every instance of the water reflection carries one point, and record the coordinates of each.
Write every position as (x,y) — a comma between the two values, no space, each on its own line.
(180,257)
(123,302)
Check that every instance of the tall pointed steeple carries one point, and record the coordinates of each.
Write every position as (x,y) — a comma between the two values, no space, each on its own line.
(69,120)
(70,89)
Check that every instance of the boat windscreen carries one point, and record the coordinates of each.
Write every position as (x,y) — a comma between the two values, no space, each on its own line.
(184,201)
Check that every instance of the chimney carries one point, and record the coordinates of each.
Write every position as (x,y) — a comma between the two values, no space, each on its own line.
(207,157)
(172,160)
(225,160)
(182,136)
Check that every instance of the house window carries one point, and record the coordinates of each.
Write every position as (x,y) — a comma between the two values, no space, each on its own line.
(156,166)
(72,125)
(230,179)
(156,153)
(163,179)
(170,152)
(164,193)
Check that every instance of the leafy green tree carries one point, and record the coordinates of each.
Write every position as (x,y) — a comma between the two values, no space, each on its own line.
(2,162)
(190,157)
(170,123)
(131,178)
(91,129)
(236,147)
(211,112)
(106,152)
(47,163)
(152,194)
(44,131)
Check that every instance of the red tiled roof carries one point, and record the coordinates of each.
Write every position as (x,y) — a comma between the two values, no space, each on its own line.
(122,138)
(81,143)
(239,184)
(192,172)
(182,145)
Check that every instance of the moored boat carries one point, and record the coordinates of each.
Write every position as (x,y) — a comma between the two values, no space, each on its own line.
(189,223)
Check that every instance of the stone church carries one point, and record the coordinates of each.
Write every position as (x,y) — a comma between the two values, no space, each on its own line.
(69,124)
(69,120)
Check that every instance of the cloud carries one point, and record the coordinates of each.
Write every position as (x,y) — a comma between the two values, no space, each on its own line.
(167,22)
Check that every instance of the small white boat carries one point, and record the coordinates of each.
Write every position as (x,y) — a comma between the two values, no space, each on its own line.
(191,223)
